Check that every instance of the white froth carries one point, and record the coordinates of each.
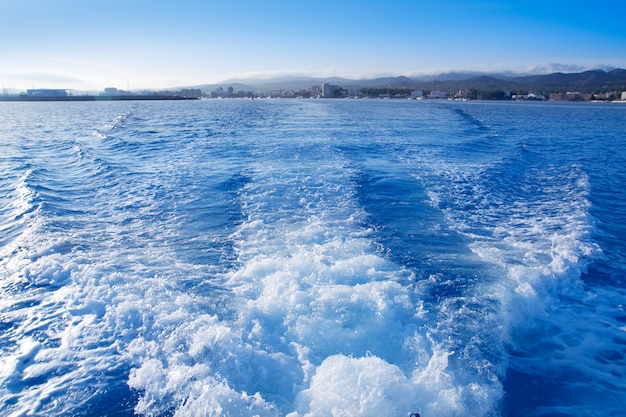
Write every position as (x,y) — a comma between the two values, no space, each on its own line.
(367,386)
(305,313)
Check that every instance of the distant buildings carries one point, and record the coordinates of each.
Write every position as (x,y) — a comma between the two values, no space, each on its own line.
(437,94)
(190,93)
(328,90)
(571,96)
(325,90)
(316,91)
(46,92)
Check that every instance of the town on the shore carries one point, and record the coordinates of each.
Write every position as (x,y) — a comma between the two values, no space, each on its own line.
(323,91)
(327,90)
(594,85)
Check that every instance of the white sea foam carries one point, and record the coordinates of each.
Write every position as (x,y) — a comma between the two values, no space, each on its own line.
(111,292)
(538,234)
(317,321)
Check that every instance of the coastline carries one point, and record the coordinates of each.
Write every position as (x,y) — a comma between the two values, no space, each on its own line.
(94,98)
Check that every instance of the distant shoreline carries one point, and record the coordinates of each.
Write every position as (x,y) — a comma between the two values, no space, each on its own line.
(94,98)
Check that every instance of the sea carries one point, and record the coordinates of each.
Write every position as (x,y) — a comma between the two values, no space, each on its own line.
(312,258)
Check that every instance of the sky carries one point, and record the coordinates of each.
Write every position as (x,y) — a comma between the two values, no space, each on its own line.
(137,44)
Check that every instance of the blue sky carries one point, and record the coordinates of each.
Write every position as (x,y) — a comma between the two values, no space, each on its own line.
(93,44)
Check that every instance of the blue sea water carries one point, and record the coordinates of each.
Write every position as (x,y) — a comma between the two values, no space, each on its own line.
(312,258)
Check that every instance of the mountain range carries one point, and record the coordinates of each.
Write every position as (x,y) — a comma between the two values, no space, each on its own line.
(587,81)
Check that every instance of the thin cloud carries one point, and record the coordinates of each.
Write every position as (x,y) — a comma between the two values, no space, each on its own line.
(44,77)
(551,67)
(308,72)
(436,72)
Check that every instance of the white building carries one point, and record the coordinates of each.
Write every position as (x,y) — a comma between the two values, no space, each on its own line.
(437,94)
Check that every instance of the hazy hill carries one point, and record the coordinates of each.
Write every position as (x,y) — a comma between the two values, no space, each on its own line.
(275,83)
(587,81)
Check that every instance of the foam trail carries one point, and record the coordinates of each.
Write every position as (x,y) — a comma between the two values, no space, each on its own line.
(305,258)
(528,214)
(316,320)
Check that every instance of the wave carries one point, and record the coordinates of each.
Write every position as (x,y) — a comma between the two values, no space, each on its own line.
(303,258)
(529,217)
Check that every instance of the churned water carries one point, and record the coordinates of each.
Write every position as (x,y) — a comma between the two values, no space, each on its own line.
(312,258)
